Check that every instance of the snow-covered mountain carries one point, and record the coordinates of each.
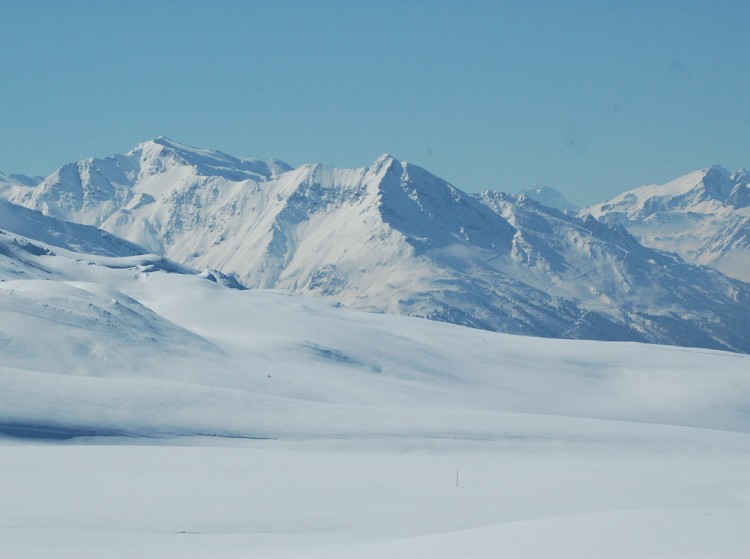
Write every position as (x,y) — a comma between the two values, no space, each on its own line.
(63,234)
(703,216)
(548,196)
(393,238)
(9,181)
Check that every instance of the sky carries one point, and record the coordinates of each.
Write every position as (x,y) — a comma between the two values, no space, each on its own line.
(592,98)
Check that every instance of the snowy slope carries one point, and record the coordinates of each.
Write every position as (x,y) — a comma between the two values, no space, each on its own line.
(17,258)
(34,225)
(393,238)
(335,433)
(13,181)
(703,216)
(125,188)
(128,319)
(53,323)
(608,273)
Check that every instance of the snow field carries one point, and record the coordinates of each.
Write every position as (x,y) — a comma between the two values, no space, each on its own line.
(218,423)
(364,498)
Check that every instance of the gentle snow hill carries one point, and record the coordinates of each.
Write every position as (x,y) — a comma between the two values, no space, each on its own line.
(704,217)
(548,196)
(393,238)
(52,323)
(182,355)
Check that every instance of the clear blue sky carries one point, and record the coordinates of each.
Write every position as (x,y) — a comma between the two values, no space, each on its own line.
(590,97)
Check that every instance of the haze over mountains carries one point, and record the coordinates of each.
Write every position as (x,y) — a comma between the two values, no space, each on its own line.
(393,238)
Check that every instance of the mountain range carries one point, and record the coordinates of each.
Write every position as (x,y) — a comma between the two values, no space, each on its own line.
(703,216)
(390,237)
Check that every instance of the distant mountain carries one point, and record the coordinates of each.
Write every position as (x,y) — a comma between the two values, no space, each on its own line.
(704,217)
(550,197)
(117,187)
(393,238)
(63,234)
(7,181)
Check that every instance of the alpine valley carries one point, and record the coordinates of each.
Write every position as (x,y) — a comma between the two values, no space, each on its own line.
(393,238)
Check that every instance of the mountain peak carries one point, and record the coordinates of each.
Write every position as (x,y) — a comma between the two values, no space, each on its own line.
(716,169)
(702,216)
(717,182)
(384,156)
(165,140)
(548,196)
(16,179)
(384,160)
(210,162)
(162,144)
